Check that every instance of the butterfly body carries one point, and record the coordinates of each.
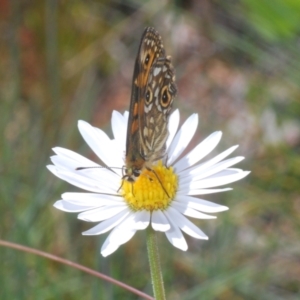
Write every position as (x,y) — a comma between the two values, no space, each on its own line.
(153,91)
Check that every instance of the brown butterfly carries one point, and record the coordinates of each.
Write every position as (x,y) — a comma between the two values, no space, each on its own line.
(153,91)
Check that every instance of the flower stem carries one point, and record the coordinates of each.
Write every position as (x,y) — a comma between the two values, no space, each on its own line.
(154,262)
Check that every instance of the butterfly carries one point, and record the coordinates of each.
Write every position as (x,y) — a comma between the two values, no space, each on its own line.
(152,95)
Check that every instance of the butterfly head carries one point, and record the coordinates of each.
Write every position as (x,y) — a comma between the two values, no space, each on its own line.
(131,174)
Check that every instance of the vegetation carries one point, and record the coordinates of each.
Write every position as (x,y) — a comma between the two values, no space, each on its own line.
(237,65)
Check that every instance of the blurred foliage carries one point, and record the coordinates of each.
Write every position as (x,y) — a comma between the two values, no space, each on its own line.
(237,64)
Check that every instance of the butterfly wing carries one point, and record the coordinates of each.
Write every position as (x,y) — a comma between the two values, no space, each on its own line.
(150,48)
(153,91)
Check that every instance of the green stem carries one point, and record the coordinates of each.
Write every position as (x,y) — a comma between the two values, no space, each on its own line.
(154,262)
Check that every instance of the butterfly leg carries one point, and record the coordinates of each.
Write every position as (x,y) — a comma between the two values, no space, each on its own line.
(158,180)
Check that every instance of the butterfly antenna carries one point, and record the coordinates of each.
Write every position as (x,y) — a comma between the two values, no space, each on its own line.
(96,167)
(120,185)
(159,181)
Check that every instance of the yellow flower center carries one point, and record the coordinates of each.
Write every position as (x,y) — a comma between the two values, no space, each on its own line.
(153,190)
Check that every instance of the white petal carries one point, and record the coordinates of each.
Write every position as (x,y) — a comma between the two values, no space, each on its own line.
(52,169)
(119,151)
(83,182)
(159,221)
(172,127)
(102,213)
(100,144)
(198,168)
(175,236)
(217,181)
(70,207)
(200,204)
(125,116)
(186,225)
(141,220)
(229,171)
(73,156)
(69,164)
(137,221)
(108,248)
(117,237)
(190,212)
(101,174)
(182,138)
(90,169)
(216,169)
(118,126)
(119,147)
(200,151)
(107,224)
(91,199)
(196,192)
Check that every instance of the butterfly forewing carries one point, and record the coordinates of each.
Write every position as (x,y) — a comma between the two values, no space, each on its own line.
(153,91)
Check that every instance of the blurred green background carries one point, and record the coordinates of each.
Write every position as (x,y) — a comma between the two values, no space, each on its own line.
(237,65)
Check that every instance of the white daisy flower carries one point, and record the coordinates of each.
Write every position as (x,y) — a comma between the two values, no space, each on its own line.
(125,207)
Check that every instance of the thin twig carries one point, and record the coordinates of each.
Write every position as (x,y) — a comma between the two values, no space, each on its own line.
(76,266)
